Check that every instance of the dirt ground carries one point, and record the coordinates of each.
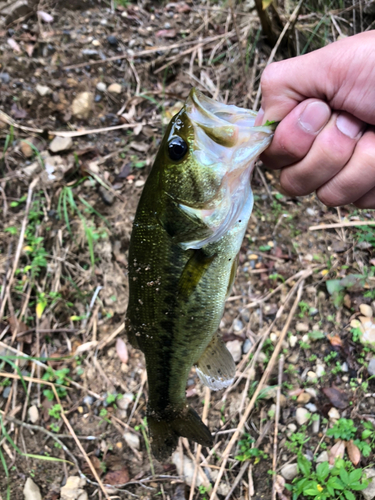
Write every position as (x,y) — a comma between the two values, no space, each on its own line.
(73,392)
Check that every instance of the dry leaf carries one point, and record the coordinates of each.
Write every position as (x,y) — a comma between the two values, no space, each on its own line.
(122,350)
(12,43)
(29,49)
(335,340)
(353,452)
(337,451)
(166,33)
(337,397)
(117,477)
(280,487)
(15,324)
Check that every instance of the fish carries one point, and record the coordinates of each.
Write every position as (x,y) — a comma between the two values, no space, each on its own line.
(183,255)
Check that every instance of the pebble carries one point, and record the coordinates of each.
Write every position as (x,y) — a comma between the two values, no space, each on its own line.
(273,338)
(310,211)
(323,457)
(302,327)
(366,310)
(369,491)
(289,471)
(139,183)
(245,315)
(303,398)
(311,377)
(371,367)
(302,416)
(334,414)
(82,105)
(31,491)
(112,40)
(247,346)
(291,429)
(311,407)
(311,391)
(319,370)
(235,348)
(262,358)
(43,90)
(237,325)
(33,414)
(26,149)
(5,78)
(316,425)
(88,400)
(72,490)
(293,341)
(6,391)
(60,144)
(124,402)
(115,88)
(344,367)
(101,87)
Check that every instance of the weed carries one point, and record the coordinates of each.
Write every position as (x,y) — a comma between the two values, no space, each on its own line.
(55,411)
(143,428)
(247,452)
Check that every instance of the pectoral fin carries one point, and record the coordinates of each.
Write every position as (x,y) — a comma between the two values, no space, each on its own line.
(193,272)
(233,273)
(216,367)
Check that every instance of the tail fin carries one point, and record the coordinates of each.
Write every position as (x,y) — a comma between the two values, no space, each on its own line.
(164,433)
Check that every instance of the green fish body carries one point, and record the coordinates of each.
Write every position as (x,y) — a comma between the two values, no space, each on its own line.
(187,232)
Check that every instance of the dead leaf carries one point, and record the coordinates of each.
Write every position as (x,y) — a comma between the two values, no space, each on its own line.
(337,451)
(117,477)
(97,464)
(335,340)
(353,452)
(29,49)
(338,398)
(14,45)
(166,33)
(122,350)
(16,325)
(17,112)
(280,488)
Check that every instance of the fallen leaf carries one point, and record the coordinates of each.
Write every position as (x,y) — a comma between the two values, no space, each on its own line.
(17,112)
(280,487)
(337,397)
(337,451)
(14,45)
(166,33)
(15,324)
(353,452)
(335,340)
(29,49)
(122,350)
(97,464)
(117,477)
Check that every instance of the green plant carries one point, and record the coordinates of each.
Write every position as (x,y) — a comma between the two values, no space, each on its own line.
(247,452)
(55,411)
(143,428)
(58,377)
(324,483)
(304,308)
(343,429)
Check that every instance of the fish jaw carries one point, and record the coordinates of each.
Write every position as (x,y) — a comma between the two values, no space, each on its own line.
(226,140)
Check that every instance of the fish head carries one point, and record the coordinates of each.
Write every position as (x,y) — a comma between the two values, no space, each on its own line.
(206,159)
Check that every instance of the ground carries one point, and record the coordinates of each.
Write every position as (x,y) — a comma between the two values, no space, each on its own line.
(302,290)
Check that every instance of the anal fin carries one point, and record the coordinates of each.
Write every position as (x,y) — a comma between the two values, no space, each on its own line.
(216,368)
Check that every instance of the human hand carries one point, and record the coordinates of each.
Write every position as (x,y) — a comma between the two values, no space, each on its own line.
(325,102)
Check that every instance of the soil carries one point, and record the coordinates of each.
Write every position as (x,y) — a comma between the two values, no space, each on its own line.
(68,289)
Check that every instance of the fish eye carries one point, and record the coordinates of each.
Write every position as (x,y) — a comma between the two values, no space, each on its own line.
(177,148)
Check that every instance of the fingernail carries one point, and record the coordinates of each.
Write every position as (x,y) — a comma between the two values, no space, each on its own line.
(349,125)
(259,118)
(314,116)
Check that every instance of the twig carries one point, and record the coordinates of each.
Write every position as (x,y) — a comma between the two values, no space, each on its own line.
(113,335)
(262,382)
(277,417)
(19,249)
(143,381)
(342,224)
(207,397)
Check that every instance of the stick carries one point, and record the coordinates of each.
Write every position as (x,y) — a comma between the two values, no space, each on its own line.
(277,417)
(262,382)
(342,224)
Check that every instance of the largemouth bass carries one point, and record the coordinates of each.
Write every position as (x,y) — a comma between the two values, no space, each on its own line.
(187,232)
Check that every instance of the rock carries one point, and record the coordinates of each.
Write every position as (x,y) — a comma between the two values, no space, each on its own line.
(316,424)
(302,416)
(311,407)
(366,310)
(26,149)
(235,348)
(60,144)
(5,78)
(291,429)
(115,88)
(289,471)
(247,346)
(262,357)
(369,491)
(311,391)
(132,440)
(88,400)
(31,490)
(344,367)
(6,391)
(73,489)
(186,469)
(125,401)
(237,325)
(334,414)
(323,457)
(101,87)
(303,398)
(371,367)
(302,327)
(32,169)
(112,40)
(283,400)
(55,168)
(33,414)
(319,370)
(82,105)
(139,183)
(43,90)
(293,341)
(311,377)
